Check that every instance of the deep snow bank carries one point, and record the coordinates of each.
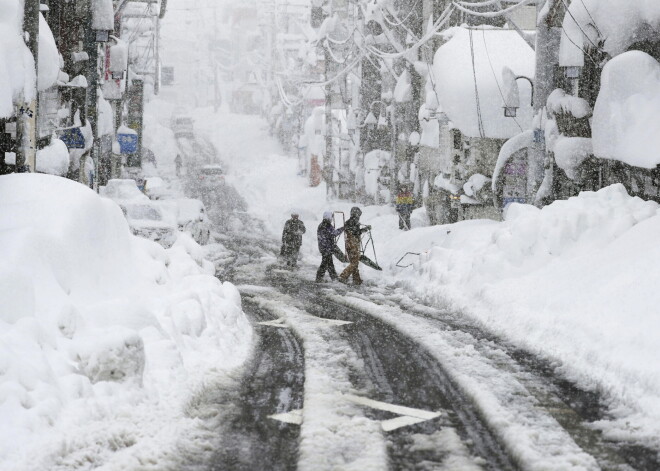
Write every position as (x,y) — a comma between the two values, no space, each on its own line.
(96,323)
(575,282)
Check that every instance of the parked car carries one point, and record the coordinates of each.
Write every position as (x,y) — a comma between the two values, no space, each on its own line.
(146,220)
(144,216)
(190,216)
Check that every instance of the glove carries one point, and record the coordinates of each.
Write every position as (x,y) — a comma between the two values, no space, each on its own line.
(368,228)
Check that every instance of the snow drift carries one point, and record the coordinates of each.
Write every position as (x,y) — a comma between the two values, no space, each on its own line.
(93,318)
(575,282)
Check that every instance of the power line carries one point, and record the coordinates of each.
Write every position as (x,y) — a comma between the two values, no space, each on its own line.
(480,122)
(483,33)
(568,10)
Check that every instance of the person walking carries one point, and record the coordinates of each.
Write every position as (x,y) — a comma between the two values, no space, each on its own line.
(292,239)
(326,234)
(353,233)
(404,206)
(178,162)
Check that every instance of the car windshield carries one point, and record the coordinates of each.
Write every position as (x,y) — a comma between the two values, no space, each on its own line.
(143,211)
(212,171)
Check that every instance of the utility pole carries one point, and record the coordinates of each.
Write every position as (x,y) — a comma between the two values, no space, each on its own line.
(328,163)
(548,38)
(91,98)
(26,120)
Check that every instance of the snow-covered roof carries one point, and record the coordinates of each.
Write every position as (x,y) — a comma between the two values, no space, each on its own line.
(454,77)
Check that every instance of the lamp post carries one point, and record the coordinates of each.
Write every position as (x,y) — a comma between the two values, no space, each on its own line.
(513,103)
(26,122)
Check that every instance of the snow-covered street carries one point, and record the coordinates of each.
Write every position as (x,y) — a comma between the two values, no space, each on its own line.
(329,235)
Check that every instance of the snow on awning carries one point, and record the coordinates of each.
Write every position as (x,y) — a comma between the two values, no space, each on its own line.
(103,15)
(454,75)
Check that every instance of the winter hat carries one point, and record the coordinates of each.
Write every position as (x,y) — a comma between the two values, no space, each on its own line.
(356,212)
(327,215)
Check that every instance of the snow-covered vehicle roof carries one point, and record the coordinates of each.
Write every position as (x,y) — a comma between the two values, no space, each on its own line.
(481,54)
(123,189)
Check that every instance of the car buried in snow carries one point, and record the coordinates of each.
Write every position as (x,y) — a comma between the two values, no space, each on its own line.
(148,221)
(190,216)
(144,217)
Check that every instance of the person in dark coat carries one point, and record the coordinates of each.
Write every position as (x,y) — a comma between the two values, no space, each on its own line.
(178,162)
(353,233)
(292,239)
(326,234)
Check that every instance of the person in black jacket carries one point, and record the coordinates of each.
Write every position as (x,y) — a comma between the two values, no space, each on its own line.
(353,233)
(326,234)
(292,239)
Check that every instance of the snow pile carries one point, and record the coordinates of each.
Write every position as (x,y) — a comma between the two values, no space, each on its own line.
(16,62)
(625,125)
(54,159)
(570,152)
(403,89)
(481,55)
(618,23)
(559,102)
(575,282)
(103,16)
(49,56)
(100,330)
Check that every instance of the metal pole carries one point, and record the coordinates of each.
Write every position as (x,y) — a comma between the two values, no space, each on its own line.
(547,58)
(26,119)
(91,99)
(327,165)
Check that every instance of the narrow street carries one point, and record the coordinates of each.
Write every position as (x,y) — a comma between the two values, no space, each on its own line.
(369,378)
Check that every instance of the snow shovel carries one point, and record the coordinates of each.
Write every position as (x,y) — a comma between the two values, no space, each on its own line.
(341,256)
(403,221)
(366,260)
(336,251)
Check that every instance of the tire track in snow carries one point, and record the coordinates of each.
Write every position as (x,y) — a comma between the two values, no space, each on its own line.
(533,438)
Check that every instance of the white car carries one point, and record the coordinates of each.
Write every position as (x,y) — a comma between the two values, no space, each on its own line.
(211,176)
(147,220)
(144,216)
(190,216)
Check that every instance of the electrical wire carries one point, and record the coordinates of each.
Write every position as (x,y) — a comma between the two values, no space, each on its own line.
(568,10)
(490,14)
(480,122)
(592,18)
(401,22)
(444,18)
(483,33)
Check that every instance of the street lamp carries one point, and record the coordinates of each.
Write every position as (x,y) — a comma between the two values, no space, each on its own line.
(512,100)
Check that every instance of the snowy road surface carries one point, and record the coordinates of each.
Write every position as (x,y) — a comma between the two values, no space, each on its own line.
(368,378)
